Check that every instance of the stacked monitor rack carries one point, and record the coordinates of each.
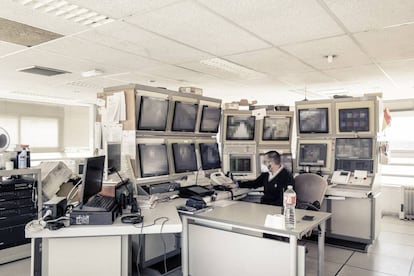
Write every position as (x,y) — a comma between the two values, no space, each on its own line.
(175,139)
(20,202)
(245,139)
(338,139)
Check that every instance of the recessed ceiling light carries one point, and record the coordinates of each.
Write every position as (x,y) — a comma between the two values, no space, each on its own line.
(63,9)
(227,66)
(92,73)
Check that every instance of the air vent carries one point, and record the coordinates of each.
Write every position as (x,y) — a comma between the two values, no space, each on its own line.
(22,34)
(44,71)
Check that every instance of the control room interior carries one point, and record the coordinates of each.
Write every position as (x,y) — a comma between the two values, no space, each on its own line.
(163,108)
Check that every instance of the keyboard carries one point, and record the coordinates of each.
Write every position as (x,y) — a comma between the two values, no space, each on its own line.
(100,202)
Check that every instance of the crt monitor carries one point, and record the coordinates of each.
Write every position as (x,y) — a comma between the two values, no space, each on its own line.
(185,159)
(240,163)
(153,159)
(240,127)
(313,120)
(353,119)
(276,129)
(185,116)
(210,119)
(312,155)
(153,114)
(286,161)
(210,156)
(353,148)
(92,177)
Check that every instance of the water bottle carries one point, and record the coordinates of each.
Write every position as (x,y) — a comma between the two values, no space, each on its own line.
(289,203)
(22,159)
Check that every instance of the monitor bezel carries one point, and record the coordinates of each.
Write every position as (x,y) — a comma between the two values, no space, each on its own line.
(306,164)
(278,118)
(176,171)
(87,164)
(143,175)
(202,117)
(174,116)
(346,130)
(228,116)
(371,150)
(300,122)
(200,145)
(142,100)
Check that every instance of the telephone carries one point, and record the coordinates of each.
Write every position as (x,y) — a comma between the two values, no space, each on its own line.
(340,177)
(218,178)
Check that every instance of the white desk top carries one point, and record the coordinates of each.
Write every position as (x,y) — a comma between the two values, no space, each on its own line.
(252,216)
(168,210)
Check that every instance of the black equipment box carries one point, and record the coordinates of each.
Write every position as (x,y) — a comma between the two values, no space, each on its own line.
(195,190)
(82,217)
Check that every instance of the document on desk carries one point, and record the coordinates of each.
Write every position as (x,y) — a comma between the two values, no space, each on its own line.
(224,203)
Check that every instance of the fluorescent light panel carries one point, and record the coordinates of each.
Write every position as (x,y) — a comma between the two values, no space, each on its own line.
(227,66)
(63,9)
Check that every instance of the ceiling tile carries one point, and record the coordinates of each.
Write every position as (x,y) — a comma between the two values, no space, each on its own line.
(314,53)
(8,48)
(365,15)
(280,22)
(271,61)
(388,44)
(191,24)
(401,72)
(13,10)
(129,38)
(101,55)
(147,79)
(304,79)
(367,74)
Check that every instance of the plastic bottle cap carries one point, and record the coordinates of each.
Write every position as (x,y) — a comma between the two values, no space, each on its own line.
(290,187)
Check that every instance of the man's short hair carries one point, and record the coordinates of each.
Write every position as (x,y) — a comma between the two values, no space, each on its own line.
(274,156)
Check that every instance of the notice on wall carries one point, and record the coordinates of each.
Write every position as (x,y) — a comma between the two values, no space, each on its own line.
(259,113)
(128,143)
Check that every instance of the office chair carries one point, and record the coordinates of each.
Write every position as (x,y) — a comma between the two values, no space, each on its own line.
(310,190)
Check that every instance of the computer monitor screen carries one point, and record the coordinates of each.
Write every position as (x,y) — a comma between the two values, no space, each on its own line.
(240,127)
(114,156)
(153,113)
(185,116)
(353,119)
(276,129)
(312,155)
(185,159)
(210,119)
(240,164)
(285,159)
(313,120)
(210,156)
(92,177)
(352,165)
(153,159)
(353,148)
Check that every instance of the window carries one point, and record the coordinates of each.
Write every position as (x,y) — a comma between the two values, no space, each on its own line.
(37,132)
(399,171)
(40,132)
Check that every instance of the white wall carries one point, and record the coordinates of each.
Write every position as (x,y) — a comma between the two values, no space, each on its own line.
(76,128)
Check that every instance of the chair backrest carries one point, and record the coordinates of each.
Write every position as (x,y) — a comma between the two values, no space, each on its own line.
(310,187)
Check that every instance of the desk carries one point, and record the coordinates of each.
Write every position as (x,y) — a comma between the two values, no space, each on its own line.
(223,225)
(97,249)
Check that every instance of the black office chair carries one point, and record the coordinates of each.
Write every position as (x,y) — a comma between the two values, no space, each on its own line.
(310,190)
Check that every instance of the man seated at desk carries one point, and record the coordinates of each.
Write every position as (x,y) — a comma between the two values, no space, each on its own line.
(275,181)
